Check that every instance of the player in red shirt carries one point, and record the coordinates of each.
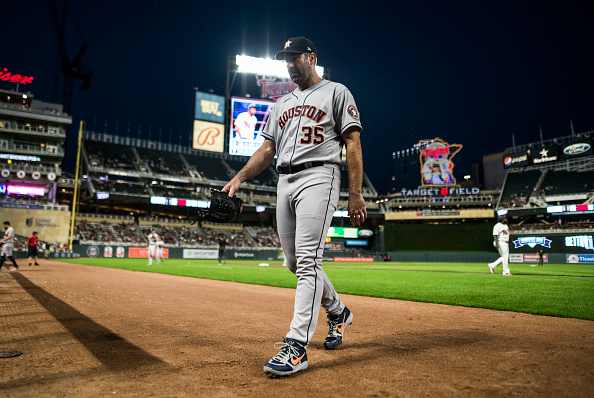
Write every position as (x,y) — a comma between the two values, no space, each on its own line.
(32,243)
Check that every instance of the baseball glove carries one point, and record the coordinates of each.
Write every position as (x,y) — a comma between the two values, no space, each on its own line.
(222,208)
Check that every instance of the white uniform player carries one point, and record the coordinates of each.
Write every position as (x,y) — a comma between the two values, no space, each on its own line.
(153,238)
(307,129)
(501,243)
(245,124)
(7,243)
(160,245)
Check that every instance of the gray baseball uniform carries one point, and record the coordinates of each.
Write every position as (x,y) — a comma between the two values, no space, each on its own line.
(8,246)
(307,127)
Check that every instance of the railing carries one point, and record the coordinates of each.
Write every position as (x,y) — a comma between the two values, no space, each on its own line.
(34,149)
(46,131)
(553,141)
(449,199)
(105,216)
(552,230)
(49,111)
(31,168)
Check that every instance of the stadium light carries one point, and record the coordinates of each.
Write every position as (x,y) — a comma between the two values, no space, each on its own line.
(266,67)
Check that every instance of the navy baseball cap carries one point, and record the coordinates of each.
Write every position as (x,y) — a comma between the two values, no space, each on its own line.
(296,45)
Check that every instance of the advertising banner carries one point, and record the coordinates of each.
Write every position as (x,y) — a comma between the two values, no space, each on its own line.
(527,258)
(354,259)
(580,258)
(203,254)
(210,107)
(435,158)
(142,252)
(52,225)
(515,160)
(545,155)
(565,243)
(208,136)
(440,214)
(577,149)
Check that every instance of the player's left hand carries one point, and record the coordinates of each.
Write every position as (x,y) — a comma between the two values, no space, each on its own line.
(357,210)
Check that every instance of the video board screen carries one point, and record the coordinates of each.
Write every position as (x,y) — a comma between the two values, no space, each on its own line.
(25,190)
(566,242)
(343,232)
(248,118)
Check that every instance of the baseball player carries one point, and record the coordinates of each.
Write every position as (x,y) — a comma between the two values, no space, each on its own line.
(245,124)
(153,237)
(160,245)
(32,244)
(7,246)
(501,243)
(307,130)
(221,248)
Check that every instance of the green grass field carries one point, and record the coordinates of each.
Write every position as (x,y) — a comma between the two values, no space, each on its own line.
(557,290)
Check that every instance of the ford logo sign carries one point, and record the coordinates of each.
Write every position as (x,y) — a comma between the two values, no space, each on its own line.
(576,149)
(364,233)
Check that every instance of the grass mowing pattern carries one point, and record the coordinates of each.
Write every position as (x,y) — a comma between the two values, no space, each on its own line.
(555,290)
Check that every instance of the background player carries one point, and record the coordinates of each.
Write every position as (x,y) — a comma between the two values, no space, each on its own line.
(245,124)
(152,247)
(160,245)
(32,244)
(307,129)
(221,248)
(7,243)
(501,243)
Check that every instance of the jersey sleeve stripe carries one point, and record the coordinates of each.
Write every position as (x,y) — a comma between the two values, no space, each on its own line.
(349,125)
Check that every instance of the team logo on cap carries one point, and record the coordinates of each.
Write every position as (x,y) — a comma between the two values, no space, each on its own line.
(288,44)
(353,112)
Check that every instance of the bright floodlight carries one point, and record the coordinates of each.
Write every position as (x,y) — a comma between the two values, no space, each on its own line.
(266,67)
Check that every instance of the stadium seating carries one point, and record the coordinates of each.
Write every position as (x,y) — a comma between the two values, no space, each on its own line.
(265,178)
(519,187)
(121,187)
(110,156)
(174,192)
(105,231)
(162,162)
(197,237)
(567,182)
(210,168)
(265,236)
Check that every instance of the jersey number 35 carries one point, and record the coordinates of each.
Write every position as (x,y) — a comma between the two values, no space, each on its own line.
(312,132)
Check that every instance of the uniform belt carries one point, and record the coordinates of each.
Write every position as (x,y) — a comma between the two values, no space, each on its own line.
(298,167)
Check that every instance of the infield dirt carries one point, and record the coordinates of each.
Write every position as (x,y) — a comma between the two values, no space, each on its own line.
(94,332)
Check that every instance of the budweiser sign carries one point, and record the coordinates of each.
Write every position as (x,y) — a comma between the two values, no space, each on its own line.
(7,76)
(274,88)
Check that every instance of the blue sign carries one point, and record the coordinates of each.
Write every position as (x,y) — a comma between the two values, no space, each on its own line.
(355,242)
(580,258)
(532,241)
(210,107)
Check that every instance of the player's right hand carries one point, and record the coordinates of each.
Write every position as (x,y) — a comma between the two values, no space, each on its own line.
(231,187)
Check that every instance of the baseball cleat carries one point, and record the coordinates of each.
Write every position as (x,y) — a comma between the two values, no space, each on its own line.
(491,268)
(290,359)
(337,324)
(506,274)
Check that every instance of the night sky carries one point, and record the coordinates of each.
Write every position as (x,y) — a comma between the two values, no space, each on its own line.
(470,72)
